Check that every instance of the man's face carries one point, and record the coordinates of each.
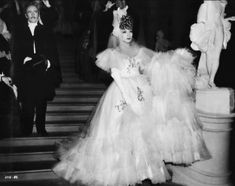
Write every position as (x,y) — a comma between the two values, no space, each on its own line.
(32,14)
(126,35)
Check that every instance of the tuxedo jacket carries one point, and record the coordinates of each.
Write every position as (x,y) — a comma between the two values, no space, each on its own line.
(33,82)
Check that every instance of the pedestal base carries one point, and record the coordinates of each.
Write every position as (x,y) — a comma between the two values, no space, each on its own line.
(190,176)
(214,111)
(215,100)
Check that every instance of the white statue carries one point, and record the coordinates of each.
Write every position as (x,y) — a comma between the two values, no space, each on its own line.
(210,35)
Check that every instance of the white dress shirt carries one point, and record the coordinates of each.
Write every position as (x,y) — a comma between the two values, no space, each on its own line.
(32,27)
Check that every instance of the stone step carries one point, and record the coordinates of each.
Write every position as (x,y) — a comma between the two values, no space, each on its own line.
(62,129)
(66,59)
(67,66)
(45,177)
(69,108)
(72,71)
(82,85)
(43,174)
(68,80)
(30,144)
(65,56)
(64,68)
(68,127)
(27,161)
(79,89)
(66,117)
(41,177)
(68,62)
(71,76)
(78,92)
(68,70)
(77,104)
(75,99)
(64,75)
(27,157)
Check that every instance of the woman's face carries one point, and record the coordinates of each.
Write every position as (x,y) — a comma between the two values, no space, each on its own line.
(126,35)
(32,14)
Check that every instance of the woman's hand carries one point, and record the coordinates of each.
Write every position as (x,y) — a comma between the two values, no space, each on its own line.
(48,63)
(46,3)
(26,59)
(108,5)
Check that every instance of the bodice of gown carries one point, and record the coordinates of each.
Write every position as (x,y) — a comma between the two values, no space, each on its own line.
(126,65)
(130,66)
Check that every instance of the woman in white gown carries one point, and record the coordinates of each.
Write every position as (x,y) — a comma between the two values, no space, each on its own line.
(123,145)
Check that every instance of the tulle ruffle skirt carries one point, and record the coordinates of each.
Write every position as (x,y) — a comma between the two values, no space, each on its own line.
(115,150)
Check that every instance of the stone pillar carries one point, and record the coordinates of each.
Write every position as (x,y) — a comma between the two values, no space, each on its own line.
(215,112)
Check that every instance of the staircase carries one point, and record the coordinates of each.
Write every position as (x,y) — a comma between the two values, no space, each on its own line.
(28,160)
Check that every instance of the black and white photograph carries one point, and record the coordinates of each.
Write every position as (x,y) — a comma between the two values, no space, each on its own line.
(117,92)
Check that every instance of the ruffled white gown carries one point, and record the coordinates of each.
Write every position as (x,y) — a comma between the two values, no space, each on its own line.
(133,131)
(115,152)
(176,123)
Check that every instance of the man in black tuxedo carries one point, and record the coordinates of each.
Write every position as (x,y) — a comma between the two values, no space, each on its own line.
(35,74)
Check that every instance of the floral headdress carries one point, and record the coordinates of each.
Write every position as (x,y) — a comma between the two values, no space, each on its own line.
(126,22)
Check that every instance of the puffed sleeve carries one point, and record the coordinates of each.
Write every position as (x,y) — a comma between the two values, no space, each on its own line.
(146,56)
(104,59)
